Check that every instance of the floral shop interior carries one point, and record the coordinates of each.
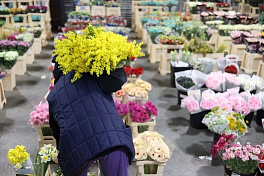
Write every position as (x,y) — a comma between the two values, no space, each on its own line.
(175,86)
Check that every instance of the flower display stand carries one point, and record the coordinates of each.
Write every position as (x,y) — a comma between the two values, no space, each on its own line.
(136,125)
(141,100)
(223,8)
(145,36)
(30,57)
(7,18)
(139,12)
(4,4)
(155,52)
(261,69)
(243,8)
(9,81)
(43,38)
(254,12)
(237,49)
(83,9)
(141,164)
(23,23)
(47,139)
(196,17)
(164,66)
(250,62)
(224,40)
(2,95)
(21,65)
(48,30)
(97,10)
(40,19)
(113,11)
(155,8)
(139,29)
(21,2)
(37,46)
(149,44)
(213,39)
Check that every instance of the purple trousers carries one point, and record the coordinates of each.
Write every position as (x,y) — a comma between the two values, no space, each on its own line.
(113,164)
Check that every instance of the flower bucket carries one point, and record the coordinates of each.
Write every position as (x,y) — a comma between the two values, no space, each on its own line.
(253,174)
(248,118)
(228,172)
(181,95)
(174,70)
(259,117)
(143,169)
(216,138)
(259,173)
(196,120)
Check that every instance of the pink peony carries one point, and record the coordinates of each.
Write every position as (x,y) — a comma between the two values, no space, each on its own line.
(207,104)
(254,103)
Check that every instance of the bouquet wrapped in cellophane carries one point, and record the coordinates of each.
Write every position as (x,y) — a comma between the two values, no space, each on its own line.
(94,51)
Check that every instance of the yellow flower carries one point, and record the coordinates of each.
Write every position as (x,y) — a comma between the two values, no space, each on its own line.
(17,155)
(95,51)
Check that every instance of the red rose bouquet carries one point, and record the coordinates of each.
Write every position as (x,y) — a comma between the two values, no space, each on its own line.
(133,72)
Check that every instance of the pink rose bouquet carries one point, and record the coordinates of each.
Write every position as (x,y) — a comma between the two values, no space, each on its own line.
(191,104)
(40,115)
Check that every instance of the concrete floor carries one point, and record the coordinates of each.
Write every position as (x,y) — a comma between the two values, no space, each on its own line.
(191,156)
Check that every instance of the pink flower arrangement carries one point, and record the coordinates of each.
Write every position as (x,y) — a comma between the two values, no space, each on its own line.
(240,105)
(122,109)
(151,108)
(141,113)
(207,104)
(254,103)
(40,115)
(242,159)
(223,142)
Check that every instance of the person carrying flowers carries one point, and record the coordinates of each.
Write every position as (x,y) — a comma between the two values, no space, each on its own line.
(83,116)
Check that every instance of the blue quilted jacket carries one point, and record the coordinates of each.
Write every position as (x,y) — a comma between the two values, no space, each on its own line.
(86,122)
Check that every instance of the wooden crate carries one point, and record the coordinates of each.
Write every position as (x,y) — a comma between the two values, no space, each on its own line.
(224,40)
(254,12)
(7,18)
(155,52)
(213,39)
(97,10)
(37,46)
(250,62)
(140,168)
(164,66)
(145,36)
(261,69)
(134,127)
(21,65)
(2,95)
(196,17)
(4,6)
(30,56)
(83,9)
(243,8)
(9,81)
(113,11)
(237,49)
(45,139)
